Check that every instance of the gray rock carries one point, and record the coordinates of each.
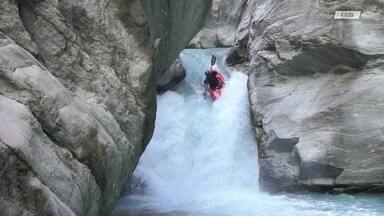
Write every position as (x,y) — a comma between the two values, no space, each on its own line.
(221,24)
(37,174)
(316,80)
(173,76)
(173,24)
(235,57)
(77,97)
(280,145)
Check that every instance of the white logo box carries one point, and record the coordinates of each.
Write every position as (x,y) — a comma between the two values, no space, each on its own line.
(347,14)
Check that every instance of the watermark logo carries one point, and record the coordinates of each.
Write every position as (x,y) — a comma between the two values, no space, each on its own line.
(347,14)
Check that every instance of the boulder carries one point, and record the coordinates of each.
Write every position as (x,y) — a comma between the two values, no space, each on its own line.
(173,76)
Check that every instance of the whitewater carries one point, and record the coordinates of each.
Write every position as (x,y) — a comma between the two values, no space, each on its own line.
(202,159)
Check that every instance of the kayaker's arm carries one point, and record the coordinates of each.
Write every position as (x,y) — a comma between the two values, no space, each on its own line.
(205,90)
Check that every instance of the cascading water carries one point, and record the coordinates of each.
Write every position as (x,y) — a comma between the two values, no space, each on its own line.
(202,159)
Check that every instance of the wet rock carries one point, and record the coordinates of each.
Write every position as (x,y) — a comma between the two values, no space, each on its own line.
(173,76)
(135,185)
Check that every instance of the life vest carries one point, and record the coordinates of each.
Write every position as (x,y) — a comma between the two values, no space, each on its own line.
(220,79)
(216,92)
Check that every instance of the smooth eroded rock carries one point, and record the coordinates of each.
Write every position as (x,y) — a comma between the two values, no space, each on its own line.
(316,80)
(82,76)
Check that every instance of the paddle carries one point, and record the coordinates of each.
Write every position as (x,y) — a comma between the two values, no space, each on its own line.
(213,62)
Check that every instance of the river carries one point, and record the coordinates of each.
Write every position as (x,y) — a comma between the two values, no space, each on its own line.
(202,159)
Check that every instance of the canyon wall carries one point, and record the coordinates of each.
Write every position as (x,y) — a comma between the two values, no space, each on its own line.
(77,96)
(316,93)
(221,24)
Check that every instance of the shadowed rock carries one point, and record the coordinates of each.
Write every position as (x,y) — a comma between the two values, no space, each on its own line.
(173,76)
(280,144)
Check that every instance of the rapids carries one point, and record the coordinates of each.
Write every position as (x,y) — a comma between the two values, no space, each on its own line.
(202,159)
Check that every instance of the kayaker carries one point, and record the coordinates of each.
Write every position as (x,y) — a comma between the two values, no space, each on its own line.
(212,79)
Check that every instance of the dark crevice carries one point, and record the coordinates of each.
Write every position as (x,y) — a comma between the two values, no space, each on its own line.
(315,58)
(21,7)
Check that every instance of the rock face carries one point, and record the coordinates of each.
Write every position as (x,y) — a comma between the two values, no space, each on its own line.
(173,76)
(221,24)
(173,24)
(316,93)
(77,98)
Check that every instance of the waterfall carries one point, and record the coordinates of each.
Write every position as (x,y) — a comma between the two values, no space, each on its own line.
(202,159)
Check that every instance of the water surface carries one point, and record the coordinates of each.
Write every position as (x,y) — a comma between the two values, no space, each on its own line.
(202,159)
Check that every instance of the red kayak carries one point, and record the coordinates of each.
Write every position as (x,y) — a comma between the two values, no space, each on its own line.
(215,80)
(216,93)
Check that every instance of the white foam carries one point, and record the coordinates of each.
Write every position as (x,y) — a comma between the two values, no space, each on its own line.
(202,159)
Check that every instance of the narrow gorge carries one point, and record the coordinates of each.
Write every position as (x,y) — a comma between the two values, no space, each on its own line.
(314,88)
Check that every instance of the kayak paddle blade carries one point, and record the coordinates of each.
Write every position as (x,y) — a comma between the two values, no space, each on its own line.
(213,60)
